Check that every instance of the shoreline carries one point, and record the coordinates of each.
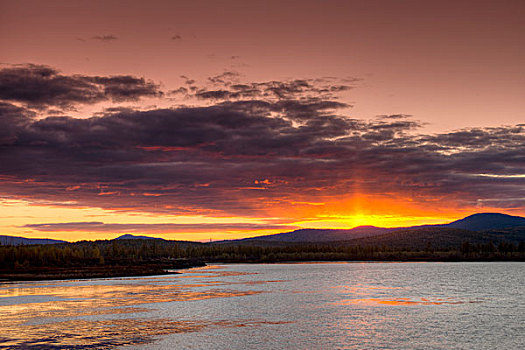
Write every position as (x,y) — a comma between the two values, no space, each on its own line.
(95,272)
(92,272)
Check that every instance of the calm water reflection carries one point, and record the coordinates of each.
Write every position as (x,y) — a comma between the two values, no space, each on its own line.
(280,306)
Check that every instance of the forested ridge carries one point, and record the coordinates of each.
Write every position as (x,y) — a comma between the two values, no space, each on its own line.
(131,252)
(132,257)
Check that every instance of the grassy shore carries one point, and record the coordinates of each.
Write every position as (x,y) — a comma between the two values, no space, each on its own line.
(106,271)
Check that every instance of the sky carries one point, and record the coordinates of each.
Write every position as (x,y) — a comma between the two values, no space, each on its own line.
(216,120)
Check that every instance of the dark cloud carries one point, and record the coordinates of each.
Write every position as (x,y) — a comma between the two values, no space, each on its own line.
(125,87)
(108,37)
(42,86)
(187,80)
(225,78)
(233,158)
(299,99)
(243,155)
(394,116)
(12,119)
(176,37)
(214,94)
(145,228)
(227,86)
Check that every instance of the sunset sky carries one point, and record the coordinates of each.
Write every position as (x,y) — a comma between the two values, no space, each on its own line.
(199,120)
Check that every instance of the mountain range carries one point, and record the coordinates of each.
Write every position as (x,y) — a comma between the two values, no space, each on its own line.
(476,228)
(12,240)
(475,222)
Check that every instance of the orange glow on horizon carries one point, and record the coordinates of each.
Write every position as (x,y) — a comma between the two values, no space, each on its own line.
(332,214)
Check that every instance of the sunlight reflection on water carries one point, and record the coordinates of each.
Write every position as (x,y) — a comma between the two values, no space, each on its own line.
(279,306)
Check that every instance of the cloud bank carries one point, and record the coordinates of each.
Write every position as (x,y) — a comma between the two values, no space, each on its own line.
(252,147)
(96,226)
(40,86)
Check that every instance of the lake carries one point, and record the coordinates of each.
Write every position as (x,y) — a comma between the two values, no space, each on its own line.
(275,306)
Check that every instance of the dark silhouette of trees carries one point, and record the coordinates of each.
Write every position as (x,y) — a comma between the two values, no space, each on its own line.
(139,251)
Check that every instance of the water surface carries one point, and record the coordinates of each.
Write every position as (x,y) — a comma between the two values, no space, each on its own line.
(277,306)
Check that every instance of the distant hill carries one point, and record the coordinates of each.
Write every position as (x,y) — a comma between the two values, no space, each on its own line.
(487,221)
(440,238)
(476,222)
(128,236)
(12,240)
(321,235)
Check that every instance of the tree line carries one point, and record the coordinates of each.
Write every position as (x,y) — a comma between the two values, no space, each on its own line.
(135,252)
